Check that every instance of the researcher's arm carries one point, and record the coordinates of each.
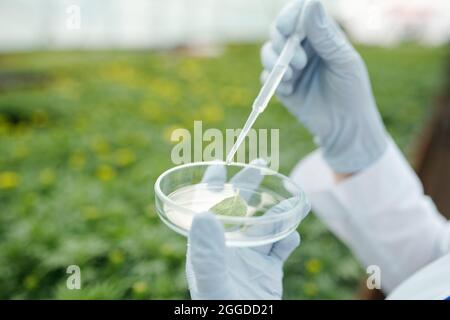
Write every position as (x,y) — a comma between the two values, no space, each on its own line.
(381,213)
(358,182)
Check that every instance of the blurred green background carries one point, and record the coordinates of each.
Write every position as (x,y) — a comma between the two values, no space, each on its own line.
(84,135)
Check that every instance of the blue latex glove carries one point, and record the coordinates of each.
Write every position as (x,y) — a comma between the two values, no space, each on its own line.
(215,271)
(327,88)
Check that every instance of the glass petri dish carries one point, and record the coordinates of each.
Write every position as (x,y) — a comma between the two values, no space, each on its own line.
(274,204)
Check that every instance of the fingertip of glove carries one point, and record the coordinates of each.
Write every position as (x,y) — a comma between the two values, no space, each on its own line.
(215,174)
(314,15)
(259,162)
(291,241)
(266,47)
(300,59)
(206,231)
(286,20)
(296,239)
(285,89)
(283,248)
(204,220)
(289,74)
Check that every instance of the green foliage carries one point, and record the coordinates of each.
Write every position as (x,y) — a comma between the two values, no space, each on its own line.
(83,142)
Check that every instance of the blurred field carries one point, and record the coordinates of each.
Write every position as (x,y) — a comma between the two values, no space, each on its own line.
(83,136)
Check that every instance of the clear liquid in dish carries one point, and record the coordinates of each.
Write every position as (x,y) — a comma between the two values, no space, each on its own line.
(198,198)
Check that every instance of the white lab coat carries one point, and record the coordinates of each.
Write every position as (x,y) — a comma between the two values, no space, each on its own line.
(383,216)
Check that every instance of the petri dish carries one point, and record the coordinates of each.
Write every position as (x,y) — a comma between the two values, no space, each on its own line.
(272,205)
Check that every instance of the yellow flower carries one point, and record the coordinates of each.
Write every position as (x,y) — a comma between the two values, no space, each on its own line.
(153,112)
(4,125)
(310,289)
(21,152)
(124,157)
(140,287)
(235,96)
(167,250)
(166,89)
(91,213)
(30,282)
(77,160)
(40,118)
(9,179)
(105,172)
(168,132)
(189,69)
(134,139)
(313,266)
(100,146)
(211,113)
(47,177)
(80,124)
(116,257)
(67,86)
(121,73)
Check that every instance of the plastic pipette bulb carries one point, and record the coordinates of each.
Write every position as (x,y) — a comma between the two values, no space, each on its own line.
(271,84)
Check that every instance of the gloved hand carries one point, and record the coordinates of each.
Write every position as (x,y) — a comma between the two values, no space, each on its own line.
(215,271)
(327,88)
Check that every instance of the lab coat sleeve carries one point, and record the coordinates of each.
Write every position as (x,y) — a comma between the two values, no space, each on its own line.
(381,214)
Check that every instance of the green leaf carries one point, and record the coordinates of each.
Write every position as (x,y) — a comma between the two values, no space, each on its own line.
(232,206)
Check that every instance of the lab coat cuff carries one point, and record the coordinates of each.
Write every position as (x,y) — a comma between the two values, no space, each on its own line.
(371,190)
(381,213)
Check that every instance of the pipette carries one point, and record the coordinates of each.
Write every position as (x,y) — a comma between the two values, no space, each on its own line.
(271,84)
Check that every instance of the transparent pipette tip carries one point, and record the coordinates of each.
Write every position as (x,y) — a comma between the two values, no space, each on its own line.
(248,125)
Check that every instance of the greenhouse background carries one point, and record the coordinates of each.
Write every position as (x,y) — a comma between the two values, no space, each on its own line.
(167,23)
(87,109)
